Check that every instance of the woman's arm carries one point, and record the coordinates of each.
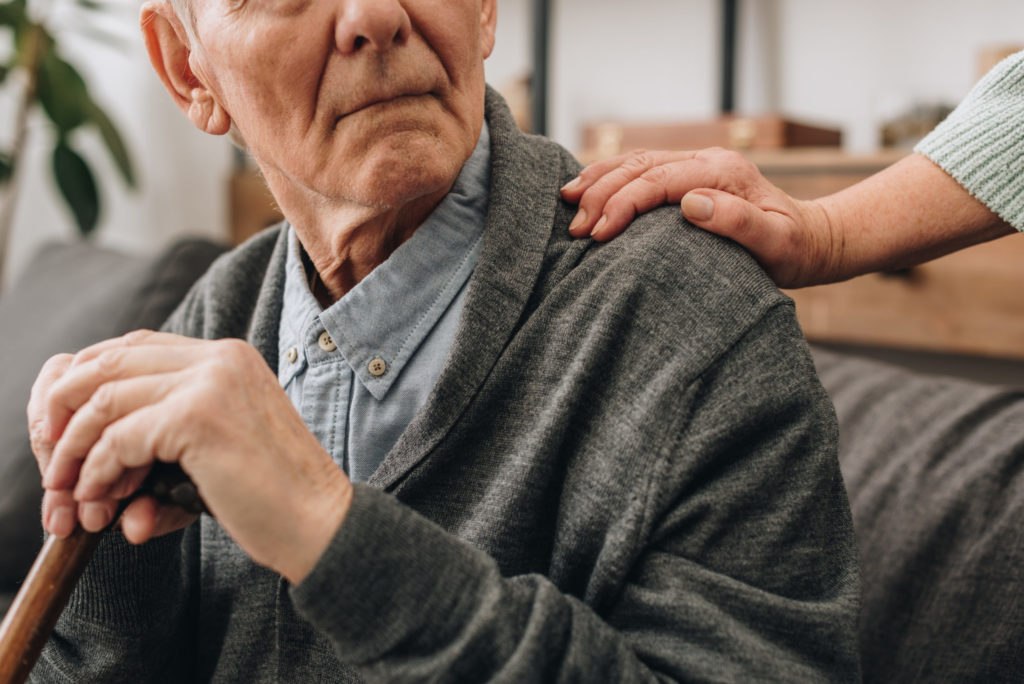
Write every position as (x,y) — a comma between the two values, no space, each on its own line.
(911,212)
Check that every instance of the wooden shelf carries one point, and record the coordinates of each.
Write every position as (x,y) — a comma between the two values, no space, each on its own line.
(806,173)
(965,303)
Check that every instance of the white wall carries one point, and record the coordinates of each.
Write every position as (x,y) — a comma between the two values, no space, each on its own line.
(847,64)
(857,64)
(608,61)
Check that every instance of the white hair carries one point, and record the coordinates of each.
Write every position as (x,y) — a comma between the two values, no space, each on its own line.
(183,8)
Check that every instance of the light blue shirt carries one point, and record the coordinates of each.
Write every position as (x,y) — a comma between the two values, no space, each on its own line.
(359,371)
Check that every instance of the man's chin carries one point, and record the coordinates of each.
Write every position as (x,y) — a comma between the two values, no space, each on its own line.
(407,173)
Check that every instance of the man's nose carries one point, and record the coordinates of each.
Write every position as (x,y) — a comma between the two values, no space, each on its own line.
(371,25)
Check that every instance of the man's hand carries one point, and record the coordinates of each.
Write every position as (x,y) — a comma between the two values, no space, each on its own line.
(101,418)
(720,191)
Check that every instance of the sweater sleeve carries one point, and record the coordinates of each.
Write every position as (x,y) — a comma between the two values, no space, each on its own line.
(746,571)
(981,143)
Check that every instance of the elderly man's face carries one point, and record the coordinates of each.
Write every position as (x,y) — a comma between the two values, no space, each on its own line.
(376,102)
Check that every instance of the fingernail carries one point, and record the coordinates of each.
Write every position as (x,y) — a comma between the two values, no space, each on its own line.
(698,207)
(572,185)
(82,491)
(62,521)
(577,223)
(94,516)
(599,226)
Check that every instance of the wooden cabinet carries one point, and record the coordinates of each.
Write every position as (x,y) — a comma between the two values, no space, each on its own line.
(967,303)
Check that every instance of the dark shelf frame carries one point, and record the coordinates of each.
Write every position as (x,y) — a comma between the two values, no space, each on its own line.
(541,52)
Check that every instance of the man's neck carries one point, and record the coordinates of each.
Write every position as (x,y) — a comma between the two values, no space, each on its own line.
(346,241)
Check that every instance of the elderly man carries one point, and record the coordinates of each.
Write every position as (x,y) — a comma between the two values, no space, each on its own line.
(455,444)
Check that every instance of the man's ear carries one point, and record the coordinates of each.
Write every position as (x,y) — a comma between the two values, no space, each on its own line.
(488,25)
(167,43)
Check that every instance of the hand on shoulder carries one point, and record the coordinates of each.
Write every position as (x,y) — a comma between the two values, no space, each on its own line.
(718,190)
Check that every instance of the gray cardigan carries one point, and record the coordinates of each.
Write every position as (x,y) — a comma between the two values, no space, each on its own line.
(626,472)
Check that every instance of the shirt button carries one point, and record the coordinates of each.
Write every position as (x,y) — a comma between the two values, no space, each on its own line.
(326,343)
(378,367)
(292,355)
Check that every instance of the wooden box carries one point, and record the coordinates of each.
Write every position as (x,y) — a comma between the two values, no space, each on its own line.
(743,133)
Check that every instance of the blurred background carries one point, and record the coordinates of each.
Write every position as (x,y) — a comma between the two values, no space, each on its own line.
(840,77)
(849,65)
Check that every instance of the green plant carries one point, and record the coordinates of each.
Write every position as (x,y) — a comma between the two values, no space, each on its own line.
(50,82)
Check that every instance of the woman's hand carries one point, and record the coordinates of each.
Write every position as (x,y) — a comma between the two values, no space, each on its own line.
(718,190)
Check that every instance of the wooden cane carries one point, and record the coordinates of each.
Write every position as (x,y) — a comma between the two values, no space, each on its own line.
(45,592)
(40,601)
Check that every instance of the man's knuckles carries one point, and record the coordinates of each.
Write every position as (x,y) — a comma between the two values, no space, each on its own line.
(233,350)
(54,367)
(51,372)
(40,440)
(134,338)
(735,172)
(103,404)
(138,337)
(638,162)
(235,363)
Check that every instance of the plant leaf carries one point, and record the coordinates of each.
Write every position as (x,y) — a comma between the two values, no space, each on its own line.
(5,168)
(63,93)
(112,139)
(13,13)
(77,185)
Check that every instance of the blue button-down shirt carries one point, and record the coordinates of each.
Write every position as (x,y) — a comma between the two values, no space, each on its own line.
(359,385)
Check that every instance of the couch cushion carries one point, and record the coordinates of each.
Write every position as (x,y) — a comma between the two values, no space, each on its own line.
(935,472)
(71,296)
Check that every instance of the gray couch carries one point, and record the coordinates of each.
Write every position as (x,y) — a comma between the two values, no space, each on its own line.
(935,472)
(934,467)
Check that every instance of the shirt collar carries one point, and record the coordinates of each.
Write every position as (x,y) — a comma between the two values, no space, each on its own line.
(388,314)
